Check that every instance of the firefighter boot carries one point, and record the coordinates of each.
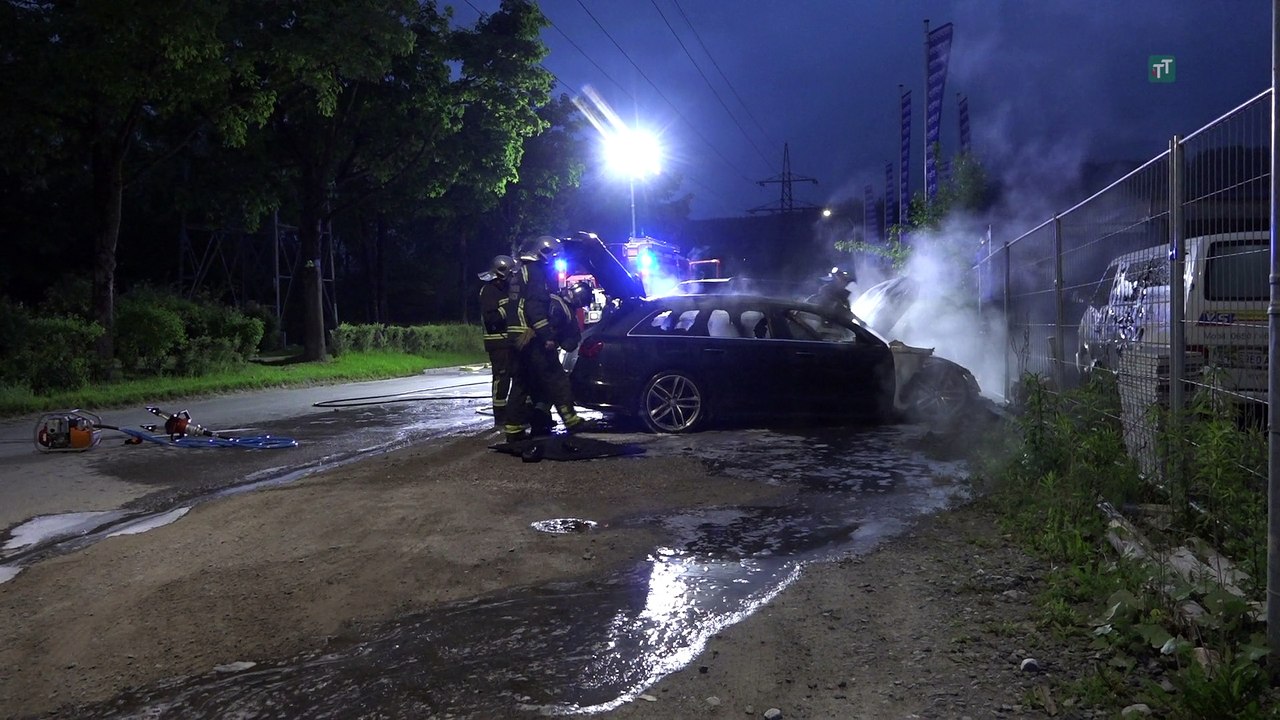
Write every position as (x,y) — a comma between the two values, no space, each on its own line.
(574,423)
(540,423)
(514,433)
(499,416)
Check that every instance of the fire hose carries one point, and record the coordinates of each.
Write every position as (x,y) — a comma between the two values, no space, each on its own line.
(78,430)
(408,396)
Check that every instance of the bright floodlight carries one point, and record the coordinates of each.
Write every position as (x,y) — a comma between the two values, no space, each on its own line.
(826,212)
(633,153)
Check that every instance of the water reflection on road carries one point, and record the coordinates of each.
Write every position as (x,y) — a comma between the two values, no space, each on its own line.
(576,647)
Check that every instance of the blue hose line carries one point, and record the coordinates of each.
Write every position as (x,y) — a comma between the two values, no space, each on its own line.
(256,442)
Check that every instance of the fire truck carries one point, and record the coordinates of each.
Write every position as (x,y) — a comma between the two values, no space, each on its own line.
(660,267)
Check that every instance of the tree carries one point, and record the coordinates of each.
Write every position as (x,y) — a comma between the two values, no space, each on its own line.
(967,190)
(396,107)
(84,84)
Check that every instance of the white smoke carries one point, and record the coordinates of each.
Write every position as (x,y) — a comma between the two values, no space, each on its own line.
(936,304)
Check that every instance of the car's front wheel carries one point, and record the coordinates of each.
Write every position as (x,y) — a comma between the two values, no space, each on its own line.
(672,402)
(938,394)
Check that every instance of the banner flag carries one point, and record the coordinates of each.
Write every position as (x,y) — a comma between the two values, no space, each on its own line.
(904,170)
(963,109)
(890,206)
(938,52)
(870,228)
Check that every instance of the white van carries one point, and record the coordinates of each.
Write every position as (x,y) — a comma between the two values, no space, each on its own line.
(1227,293)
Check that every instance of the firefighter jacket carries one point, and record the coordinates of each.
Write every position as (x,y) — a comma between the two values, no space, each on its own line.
(564,324)
(493,314)
(832,294)
(528,295)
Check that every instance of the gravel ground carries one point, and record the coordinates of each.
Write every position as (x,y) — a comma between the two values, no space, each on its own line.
(935,623)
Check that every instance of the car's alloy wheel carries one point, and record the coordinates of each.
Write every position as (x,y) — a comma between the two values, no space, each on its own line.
(672,402)
(938,395)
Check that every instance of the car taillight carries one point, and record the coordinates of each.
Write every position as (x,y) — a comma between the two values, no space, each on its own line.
(591,348)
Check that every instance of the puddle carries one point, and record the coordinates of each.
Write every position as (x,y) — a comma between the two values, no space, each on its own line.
(594,645)
(150,522)
(46,528)
(562,526)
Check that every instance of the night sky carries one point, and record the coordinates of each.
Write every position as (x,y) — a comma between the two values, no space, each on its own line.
(1051,84)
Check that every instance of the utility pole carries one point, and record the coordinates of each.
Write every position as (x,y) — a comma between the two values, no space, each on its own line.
(786,204)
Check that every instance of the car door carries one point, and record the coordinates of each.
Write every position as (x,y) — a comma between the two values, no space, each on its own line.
(838,368)
(752,363)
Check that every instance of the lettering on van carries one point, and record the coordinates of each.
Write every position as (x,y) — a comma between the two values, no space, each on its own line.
(1216,318)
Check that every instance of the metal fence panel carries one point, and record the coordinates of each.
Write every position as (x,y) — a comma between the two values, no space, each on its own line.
(1227,229)
(1093,288)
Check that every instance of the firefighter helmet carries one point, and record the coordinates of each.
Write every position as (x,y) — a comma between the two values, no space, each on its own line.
(579,294)
(839,275)
(499,267)
(543,247)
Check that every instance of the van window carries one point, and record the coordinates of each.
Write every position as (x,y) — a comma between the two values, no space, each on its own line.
(1237,270)
(1102,292)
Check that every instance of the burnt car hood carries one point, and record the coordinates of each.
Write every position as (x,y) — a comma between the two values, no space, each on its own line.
(882,305)
(586,253)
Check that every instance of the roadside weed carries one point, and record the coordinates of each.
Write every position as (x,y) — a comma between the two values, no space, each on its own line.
(1069,459)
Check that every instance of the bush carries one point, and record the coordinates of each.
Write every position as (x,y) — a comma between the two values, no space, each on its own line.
(455,337)
(204,355)
(354,338)
(45,354)
(416,340)
(245,333)
(147,335)
(235,335)
(70,295)
(58,353)
(272,339)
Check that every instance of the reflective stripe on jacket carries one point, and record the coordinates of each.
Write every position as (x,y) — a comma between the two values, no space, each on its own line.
(493,314)
(528,290)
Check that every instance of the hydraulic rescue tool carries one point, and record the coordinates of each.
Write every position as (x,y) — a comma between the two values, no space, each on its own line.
(77,431)
(73,431)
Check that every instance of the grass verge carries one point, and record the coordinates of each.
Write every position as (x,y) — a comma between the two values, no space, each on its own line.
(1047,482)
(354,366)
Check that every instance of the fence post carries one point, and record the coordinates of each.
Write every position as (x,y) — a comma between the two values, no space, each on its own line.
(1008,329)
(1177,287)
(1060,315)
(1273,365)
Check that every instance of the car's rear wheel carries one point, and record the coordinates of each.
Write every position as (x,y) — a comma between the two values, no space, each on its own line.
(672,402)
(938,394)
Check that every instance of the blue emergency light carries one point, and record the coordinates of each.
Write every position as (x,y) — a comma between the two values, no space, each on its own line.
(646,260)
(561,266)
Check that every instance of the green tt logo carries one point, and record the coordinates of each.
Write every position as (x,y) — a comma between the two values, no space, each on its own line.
(1160,69)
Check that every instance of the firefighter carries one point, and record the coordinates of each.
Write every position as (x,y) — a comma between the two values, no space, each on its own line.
(493,314)
(564,314)
(536,367)
(834,292)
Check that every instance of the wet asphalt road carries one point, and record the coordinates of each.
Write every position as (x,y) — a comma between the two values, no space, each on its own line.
(560,648)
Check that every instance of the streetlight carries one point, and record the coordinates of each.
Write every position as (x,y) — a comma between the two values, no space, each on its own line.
(636,154)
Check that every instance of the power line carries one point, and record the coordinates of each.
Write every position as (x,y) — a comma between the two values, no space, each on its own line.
(715,64)
(665,99)
(709,85)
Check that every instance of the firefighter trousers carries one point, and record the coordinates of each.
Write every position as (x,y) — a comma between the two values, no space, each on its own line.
(500,363)
(538,376)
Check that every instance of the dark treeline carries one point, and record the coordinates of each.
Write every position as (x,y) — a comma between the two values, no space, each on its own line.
(420,145)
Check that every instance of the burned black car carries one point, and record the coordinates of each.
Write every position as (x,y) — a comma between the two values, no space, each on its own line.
(680,362)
